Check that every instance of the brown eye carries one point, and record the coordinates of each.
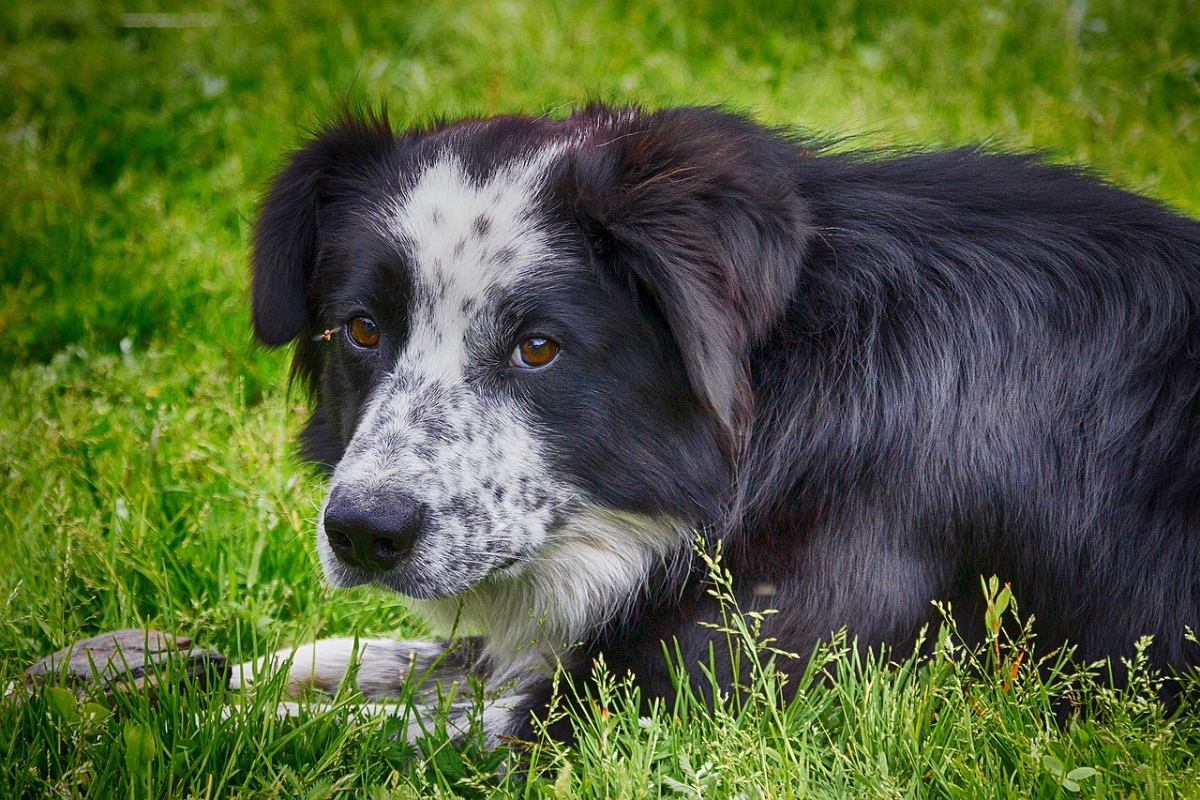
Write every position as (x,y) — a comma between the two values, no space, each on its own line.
(363,331)
(534,352)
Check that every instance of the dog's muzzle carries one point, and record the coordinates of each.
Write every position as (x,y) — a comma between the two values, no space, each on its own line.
(372,534)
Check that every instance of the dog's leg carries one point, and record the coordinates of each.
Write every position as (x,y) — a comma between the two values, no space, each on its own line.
(382,668)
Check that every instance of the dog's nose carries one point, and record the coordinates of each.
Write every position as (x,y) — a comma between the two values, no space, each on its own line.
(372,536)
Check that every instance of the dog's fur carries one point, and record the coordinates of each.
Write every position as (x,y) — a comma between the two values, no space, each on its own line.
(872,379)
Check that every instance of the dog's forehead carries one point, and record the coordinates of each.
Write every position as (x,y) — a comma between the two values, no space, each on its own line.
(467,234)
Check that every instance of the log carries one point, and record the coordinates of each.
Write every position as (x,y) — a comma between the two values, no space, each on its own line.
(127,660)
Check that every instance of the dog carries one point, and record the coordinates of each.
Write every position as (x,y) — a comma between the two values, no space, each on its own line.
(547,356)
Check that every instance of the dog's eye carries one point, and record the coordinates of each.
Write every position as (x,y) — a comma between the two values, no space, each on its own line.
(363,331)
(534,352)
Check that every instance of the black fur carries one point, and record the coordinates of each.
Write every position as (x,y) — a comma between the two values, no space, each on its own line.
(873,378)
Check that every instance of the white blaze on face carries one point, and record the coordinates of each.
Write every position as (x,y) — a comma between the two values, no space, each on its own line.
(468,241)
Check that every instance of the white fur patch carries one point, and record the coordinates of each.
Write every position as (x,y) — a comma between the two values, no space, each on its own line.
(583,579)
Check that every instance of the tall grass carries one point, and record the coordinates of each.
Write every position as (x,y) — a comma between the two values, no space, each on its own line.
(144,439)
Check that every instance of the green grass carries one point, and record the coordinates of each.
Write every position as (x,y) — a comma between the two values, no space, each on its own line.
(144,441)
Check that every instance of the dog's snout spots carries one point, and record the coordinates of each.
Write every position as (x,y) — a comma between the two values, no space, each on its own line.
(373,536)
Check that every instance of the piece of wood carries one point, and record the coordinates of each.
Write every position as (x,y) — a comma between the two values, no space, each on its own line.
(128,660)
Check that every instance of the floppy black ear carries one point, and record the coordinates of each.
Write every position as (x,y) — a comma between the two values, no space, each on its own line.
(286,234)
(702,207)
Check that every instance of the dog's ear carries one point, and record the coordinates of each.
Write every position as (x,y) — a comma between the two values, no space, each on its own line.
(701,208)
(286,234)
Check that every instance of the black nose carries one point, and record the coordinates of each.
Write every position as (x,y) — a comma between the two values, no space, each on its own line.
(372,535)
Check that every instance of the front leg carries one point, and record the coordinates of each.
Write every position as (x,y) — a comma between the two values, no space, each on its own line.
(382,668)
(388,669)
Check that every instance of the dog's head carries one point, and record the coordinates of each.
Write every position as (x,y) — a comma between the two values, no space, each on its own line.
(526,339)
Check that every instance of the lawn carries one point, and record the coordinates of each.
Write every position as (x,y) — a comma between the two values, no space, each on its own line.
(145,441)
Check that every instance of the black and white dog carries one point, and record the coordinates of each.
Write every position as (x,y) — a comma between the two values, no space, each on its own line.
(545,353)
